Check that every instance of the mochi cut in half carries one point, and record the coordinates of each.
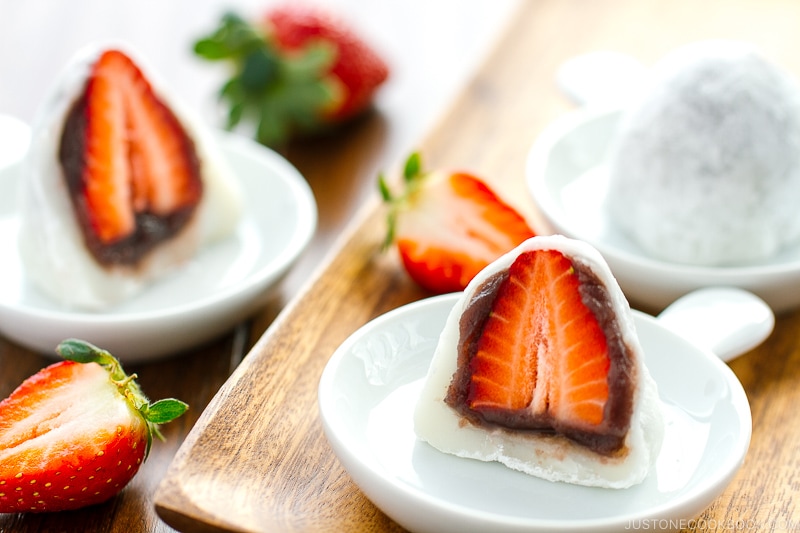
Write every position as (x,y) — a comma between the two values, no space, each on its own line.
(120,186)
(539,367)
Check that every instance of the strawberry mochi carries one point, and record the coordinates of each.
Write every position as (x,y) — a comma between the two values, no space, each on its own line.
(705,164)
(121,186)
(539,367)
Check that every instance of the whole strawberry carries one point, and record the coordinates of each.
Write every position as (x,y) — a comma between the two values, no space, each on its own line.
(448,226)
(297,71)
(75,433)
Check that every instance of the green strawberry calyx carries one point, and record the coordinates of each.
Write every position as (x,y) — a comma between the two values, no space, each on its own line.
(282,94)
(413,179)
(154,414)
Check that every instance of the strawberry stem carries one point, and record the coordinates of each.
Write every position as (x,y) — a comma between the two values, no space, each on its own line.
(159,412)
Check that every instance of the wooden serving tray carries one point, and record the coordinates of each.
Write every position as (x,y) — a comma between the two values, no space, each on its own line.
(257,459)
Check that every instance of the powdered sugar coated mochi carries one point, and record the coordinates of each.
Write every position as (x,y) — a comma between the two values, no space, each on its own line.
(705,167)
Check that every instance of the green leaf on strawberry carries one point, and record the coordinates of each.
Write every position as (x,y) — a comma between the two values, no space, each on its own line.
(160,412)
(297,72)
(279,94)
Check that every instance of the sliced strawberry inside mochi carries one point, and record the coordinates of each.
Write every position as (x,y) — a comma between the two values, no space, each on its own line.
(540,351)
(132,171)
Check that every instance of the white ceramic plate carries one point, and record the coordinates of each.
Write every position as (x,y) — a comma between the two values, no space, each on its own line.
(220,287)
(367,396)
(567,178)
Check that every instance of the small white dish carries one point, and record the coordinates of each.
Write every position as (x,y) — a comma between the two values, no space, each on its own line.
(224,284)
(727,321)
(368,393)
(567,178)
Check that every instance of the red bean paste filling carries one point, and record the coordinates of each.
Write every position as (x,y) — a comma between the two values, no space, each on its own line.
(151,229)
(609,438)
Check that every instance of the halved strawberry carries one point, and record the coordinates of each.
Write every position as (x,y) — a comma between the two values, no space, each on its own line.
(75,433)
(132,170)
(540,357)
(448,226)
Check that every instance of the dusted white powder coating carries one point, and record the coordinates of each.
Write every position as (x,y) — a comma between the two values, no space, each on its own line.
(705,168)
(554,458)
(50,240)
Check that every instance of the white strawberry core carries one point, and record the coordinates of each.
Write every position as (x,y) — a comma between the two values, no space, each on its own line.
(75,414)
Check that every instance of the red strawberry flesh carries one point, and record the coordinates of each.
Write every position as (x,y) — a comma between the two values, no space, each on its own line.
(131,169)
(540,351)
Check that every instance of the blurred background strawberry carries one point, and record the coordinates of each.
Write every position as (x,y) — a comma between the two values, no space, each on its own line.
(297,71)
